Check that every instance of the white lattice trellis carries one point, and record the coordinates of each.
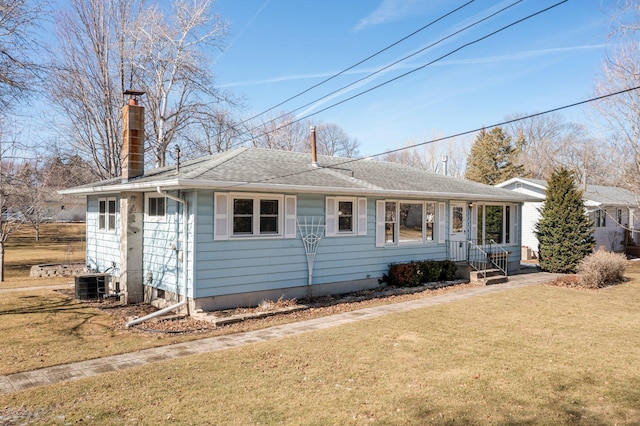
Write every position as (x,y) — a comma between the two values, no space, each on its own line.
(311,231)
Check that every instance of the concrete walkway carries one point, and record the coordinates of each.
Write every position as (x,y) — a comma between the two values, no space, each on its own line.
(84,369)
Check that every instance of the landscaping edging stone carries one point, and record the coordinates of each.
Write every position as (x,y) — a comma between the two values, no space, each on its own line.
(58,270)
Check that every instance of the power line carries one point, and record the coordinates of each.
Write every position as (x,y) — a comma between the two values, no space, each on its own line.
(395,62)
(361,61)
(418,68)
(456,135)
(429,63)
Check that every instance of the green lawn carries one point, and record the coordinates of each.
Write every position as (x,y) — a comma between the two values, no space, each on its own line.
(536,355)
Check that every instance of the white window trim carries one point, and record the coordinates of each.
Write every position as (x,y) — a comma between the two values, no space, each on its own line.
(223,216)
(438,221)
(600,218)
(358,219)
(106,227)
(512,226)
(619,217)
(150,218)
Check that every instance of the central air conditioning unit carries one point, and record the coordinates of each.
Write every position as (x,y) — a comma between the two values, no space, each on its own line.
(92,286)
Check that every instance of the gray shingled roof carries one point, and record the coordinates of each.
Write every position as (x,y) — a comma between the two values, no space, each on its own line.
(604,195)
(253,169)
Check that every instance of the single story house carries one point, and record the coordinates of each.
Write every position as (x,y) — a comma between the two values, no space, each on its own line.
(238,227)
(614,212)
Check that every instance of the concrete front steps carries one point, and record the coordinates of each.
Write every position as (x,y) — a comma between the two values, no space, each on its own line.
(488,277)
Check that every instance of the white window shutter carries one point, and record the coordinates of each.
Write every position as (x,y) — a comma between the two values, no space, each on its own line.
(442,220)
(473,232)
(221,216)
(290,216)
(362,216)
(380,219)
(330,218)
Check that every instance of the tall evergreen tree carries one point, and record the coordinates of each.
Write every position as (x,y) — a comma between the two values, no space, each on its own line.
(493,159)
(564,231)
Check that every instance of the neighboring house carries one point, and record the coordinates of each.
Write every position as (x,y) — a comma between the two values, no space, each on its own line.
(55,208)
(65,209)
(614,212)
(227,230)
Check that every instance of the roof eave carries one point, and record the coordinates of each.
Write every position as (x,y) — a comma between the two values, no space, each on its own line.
(187,184)
(521,180)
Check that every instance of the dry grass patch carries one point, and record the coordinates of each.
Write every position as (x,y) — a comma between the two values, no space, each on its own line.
(46,327)
(59,243)
(536,355)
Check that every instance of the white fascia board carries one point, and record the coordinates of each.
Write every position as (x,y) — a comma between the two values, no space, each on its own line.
(187,184)
(521,180)
(122,187)
(352,191)
(507,182)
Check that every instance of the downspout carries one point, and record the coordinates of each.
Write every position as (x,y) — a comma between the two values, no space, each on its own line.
(184,263)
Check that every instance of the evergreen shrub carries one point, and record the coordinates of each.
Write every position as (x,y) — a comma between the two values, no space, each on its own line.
(564,231)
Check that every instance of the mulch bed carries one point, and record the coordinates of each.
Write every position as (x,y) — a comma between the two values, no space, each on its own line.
(254,318)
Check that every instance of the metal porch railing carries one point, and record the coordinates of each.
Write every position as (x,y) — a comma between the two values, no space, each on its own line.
(480,257)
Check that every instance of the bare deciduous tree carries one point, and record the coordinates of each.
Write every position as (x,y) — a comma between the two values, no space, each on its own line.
(10,217)
(91,71)
(215,131)
(433,157)
(285,132)
(282,132)
(549,141)
(109,47)
(19,67)
(333,140)
(621,71)
(173,59)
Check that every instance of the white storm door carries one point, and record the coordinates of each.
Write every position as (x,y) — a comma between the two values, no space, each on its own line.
(457,231)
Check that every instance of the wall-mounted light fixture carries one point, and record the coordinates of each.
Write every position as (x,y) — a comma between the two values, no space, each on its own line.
(470,205)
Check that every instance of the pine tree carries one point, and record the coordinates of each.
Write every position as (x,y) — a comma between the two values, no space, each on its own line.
(564,231)
(493,159)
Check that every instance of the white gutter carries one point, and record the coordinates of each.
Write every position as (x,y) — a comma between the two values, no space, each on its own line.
(184,262)
(177,184)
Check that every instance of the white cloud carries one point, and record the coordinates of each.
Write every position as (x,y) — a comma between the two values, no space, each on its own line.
(394,10)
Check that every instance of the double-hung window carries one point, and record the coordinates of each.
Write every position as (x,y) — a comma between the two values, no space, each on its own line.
(107,214)
(600,219)
(241,215)
(345,216)
(619,217)
(256,216)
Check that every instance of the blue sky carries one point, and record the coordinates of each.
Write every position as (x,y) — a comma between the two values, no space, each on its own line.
(278,48)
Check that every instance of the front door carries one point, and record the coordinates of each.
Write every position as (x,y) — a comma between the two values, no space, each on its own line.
(458,231)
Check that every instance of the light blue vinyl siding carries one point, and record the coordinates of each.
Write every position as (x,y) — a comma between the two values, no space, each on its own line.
(239,266)
(103,247)
(162,242)
(253,264)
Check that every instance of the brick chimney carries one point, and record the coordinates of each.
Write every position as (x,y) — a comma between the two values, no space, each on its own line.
(132,137)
